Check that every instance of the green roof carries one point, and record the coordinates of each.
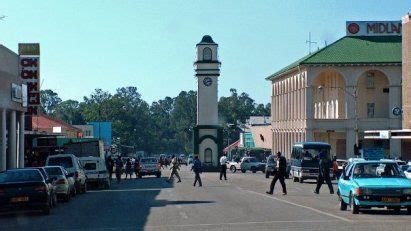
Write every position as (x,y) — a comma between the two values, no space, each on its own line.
(353,50)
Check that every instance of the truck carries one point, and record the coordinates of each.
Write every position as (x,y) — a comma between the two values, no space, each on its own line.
(86,148)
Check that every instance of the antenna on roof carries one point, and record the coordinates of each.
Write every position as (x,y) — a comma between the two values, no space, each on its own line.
(325,43)
(309,41)
(2,17)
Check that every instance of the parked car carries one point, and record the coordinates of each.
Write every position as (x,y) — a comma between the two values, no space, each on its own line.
(64,185)
(73,166)
(96,171)
(251,164)
(407,172)
(22,189)
(190,159)
(50,182)
(234,165)
(367,184)
(149,166)
(270,166)
(182,159)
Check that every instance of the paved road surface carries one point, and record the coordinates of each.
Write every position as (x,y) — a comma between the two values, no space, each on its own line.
(239,203)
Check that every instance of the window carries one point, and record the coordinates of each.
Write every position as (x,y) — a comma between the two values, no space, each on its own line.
(370,80)
(208,155)
(207,54)
(370,110)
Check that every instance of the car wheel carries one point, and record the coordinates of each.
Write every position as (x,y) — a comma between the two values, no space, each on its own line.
(409,209)
(343,205)
(295,179)
(354,208)
(253,170)
(243,170)
(233,169)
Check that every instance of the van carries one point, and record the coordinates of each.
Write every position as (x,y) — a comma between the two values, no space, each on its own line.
(74,168)
(96,171)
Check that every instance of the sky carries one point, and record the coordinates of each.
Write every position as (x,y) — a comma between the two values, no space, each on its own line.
(151,44)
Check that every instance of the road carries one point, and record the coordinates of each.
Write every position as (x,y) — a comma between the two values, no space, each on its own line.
(240,203)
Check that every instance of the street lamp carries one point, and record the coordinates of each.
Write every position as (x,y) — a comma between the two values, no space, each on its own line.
(320,87)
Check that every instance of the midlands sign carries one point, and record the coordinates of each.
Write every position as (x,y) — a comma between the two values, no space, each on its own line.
(373,28)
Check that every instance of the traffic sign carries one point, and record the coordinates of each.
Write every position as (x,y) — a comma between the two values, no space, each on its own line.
(396,111)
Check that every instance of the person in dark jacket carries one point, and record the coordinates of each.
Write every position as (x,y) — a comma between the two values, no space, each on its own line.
(197,169)
(280,173)
(110,166)
(324,173)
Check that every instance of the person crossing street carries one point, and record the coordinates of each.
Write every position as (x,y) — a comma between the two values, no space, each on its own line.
(175,166)
(223,164)
(197,169)
(280,173)
(324,173)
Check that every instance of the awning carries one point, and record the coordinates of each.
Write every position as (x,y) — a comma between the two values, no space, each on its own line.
(233,145)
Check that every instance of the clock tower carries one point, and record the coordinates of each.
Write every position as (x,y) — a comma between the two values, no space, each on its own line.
(207,134)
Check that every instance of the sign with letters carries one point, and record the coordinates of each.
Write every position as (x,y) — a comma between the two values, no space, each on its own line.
(373,28)
(30,73)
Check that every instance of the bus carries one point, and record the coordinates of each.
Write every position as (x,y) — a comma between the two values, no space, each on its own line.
(304,160)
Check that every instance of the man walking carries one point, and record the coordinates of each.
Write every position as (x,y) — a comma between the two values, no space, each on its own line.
(324,173)
(223,164)
(175,166)
(280,173)
(110,166)
(196,168)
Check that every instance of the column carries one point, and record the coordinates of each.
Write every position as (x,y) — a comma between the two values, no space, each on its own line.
(21,140)
(11,158)
(3,157)
(395,148)
(349,142)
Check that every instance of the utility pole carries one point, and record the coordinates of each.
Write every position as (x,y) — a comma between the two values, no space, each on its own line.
(309,41)
(2,17)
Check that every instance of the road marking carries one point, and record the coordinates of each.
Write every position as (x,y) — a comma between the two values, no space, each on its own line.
(301,206)
(239,223)
(130,190)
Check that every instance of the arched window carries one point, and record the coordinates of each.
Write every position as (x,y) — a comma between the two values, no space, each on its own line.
(208,155)
(207,54)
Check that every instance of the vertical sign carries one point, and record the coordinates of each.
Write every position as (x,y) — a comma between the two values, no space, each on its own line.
(30,73)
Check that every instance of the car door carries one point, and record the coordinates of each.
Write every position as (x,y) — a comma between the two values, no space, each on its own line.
(345,184)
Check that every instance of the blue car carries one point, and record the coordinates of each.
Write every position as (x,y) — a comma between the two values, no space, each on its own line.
(380,183)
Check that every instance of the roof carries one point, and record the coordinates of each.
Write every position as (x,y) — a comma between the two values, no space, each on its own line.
(352,50)
(206,40)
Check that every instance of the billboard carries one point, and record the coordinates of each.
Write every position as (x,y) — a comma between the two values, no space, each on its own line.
(29,62)
(373,28)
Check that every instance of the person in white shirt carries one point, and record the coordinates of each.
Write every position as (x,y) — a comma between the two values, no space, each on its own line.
(223,164)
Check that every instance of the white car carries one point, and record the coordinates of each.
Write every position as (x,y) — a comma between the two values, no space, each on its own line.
(72,164)
(408,172)
(96,171)
(234,165)
(64,185)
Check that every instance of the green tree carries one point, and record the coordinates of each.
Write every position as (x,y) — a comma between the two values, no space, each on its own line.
(49,100)
(70,112)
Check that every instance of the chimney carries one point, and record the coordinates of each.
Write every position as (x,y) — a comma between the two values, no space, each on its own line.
(406,71)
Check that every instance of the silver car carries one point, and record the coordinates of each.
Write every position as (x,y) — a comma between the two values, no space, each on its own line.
(64,185)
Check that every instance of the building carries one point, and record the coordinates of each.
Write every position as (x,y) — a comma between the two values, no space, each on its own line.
(87,131)
(208,135)
(102,131)
(257,133)
(339,92)
(13,102)
(44,124)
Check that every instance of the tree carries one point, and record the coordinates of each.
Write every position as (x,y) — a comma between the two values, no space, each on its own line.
(69,111)
(49,100)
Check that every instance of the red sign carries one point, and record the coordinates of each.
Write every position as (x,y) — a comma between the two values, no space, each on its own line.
(30,73)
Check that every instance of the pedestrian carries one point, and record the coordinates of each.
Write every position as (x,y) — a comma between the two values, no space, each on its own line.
(223,165)
(129,170)
(197,169)
(279,174)
(335,167)
(323,173)
(119,168)
(175,166)
(137,168)
(110,166)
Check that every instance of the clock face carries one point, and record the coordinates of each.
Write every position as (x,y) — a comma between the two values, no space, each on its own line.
(207,81)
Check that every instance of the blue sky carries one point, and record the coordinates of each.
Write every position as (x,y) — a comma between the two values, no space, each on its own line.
(151,44)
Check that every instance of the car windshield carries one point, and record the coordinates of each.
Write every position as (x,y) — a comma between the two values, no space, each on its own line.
(376,170)
(149,160)
(312,154)
(61,161)
(54,171)
(20,176)
(90,166)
